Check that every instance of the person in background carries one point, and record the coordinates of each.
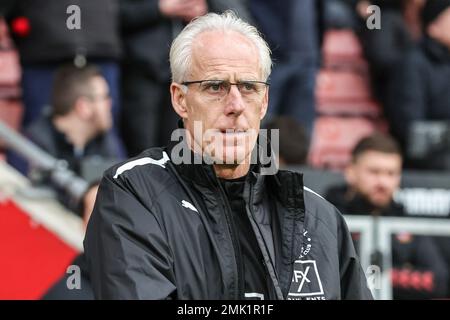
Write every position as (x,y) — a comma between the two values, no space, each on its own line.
(418,89)
(385,48)
(373,177)
(148,28)
(293,141)
(292,29)
(78,129)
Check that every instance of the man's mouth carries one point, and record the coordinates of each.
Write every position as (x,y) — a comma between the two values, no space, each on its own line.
(232,131)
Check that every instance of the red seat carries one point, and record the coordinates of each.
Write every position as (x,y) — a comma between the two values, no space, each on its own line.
(9,68)
(342,43)
(343,48)
(335,137)
(345,93)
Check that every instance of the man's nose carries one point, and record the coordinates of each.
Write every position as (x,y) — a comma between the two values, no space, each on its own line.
(234,103)
(384,181)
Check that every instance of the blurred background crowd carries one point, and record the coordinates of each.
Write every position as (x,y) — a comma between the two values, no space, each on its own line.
(364,105)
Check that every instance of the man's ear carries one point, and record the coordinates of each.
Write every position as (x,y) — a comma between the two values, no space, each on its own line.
(265,105)
(349,174)
(178,96)
(432,29)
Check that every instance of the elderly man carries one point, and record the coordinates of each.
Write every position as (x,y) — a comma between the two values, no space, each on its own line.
(205,221)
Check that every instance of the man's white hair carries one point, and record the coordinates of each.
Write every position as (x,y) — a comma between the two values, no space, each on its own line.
(181,49)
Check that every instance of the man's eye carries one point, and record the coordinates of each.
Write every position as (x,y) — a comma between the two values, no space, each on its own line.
(214,86)
(248,86)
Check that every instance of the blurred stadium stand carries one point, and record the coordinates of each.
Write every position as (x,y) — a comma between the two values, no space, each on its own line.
(345,103)
(342,49)
(335,137)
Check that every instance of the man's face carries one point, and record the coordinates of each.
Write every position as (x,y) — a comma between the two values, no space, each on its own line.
(376,176)
(440,28)
(229,122)
(101,104)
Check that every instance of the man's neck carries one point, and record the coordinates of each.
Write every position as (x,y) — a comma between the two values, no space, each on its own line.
(224,171)
(75,134)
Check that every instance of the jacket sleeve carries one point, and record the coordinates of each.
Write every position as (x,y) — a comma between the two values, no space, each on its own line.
(127,252)
(353,279)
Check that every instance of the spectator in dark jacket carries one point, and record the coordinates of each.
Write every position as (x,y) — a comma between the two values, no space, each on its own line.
(78,128)
(80,121)
(419,88)
(148,28)
(293,141)
(420,271)
(385,48)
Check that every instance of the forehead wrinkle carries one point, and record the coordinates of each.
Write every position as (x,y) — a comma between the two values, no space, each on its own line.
(237,57)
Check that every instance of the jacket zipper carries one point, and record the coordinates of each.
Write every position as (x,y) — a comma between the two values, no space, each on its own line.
(236,248)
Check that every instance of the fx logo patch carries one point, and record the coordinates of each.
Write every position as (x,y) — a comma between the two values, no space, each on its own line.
(305,280)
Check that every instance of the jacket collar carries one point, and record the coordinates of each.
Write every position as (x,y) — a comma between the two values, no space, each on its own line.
(286,186)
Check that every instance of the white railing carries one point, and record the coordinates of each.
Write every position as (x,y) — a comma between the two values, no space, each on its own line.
(376,234)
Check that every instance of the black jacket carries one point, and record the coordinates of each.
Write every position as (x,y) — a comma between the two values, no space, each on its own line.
(104,148)
(354,204)
(50,40)
(419,88)
(161,230)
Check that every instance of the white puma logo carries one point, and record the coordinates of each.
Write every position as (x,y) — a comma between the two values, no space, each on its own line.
(188,205)
(139,162)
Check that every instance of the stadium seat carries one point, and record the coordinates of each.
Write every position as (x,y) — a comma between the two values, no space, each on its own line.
(334,138)
(9,68)
(342,48)
(345,93)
